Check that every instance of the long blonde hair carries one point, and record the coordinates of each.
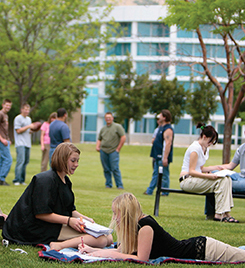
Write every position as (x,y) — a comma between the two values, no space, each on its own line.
(128,209)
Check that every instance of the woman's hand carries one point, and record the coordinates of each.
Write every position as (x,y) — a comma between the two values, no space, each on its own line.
(212,176)
(89,219)
(77,224)
(85,248)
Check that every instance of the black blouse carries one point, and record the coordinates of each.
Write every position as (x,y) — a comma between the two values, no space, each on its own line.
(45,194)
(165,245)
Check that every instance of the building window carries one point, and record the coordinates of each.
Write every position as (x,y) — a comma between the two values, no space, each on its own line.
(90,122)
(153,68)
(183,126)
(145,125)
(184,33)
(184,50)
(152,49)
(152,29)
(183,69)
(123,29)
(119,49)
(89,112)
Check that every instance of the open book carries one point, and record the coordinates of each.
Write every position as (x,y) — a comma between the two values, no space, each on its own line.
(96,229)
(224,172)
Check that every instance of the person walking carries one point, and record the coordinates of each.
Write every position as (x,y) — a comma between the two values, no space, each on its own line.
(110,141)
(162,152)
(5,156)
(45,141)
(58,131)
(22,136)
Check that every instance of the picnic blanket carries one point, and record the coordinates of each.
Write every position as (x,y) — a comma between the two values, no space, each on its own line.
(72,255)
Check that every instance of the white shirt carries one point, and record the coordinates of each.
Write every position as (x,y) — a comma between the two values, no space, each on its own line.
(202,158)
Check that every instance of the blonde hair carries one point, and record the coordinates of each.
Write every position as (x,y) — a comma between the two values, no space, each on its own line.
(128,209)
(61,155)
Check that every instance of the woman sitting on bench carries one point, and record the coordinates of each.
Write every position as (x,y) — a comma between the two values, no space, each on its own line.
(196,178)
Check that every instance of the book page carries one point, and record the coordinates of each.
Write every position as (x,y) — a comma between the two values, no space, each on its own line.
(96,228)
(224,172)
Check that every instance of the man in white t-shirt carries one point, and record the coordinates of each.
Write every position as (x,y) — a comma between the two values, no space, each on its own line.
(22,136)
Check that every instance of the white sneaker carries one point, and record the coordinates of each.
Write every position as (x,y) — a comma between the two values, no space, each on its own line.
(23,183)
(16,183)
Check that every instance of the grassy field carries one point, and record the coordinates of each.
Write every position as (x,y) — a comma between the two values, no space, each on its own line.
(180,215)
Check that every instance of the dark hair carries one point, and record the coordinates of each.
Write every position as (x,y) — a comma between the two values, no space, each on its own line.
(7,101)
(209,132)
(108,113)
(167,115)
(61,112)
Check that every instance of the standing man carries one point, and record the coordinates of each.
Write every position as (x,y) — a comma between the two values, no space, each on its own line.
(162,151)
(22,136)
(5,156)
(110,141)
(58,131)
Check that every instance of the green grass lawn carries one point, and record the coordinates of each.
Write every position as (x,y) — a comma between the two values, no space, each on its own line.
(181,215)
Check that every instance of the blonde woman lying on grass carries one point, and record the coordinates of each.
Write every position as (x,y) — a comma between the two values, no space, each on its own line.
(140,237)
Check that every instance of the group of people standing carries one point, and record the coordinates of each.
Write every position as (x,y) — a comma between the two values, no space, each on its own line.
(22,126)
(52,134)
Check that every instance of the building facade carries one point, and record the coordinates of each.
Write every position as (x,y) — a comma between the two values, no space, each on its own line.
(153,46)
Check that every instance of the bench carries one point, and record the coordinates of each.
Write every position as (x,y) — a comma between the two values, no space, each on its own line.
(161,189)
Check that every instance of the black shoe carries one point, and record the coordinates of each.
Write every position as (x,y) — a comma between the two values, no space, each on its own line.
(209,217)
(4,183)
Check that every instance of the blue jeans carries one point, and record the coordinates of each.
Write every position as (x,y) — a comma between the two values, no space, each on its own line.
(5,160)
(238,187)
(165,177)
(110,163)
(51,151)
(22,159)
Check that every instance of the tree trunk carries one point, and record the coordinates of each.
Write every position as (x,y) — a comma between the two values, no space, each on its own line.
(227,142)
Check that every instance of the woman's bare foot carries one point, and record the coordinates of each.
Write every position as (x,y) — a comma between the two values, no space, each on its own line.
(55,246)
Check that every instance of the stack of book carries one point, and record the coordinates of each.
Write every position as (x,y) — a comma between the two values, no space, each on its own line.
(96,229)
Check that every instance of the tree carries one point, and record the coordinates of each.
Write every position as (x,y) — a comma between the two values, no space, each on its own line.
(47,51)
(127,92)
(225,18)
(200,106)
(169,95)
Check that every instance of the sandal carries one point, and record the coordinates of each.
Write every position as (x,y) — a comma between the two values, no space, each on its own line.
(230,220)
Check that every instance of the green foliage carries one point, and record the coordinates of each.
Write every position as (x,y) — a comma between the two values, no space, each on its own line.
(127,92)
(221,13)
(169,95)
(202,102)
(42,45)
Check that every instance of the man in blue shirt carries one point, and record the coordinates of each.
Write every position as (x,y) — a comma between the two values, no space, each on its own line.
(162,151)
(58,131)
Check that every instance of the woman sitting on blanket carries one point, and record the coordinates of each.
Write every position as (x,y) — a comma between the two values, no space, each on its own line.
(46,212)
(140,237)
(196,178)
